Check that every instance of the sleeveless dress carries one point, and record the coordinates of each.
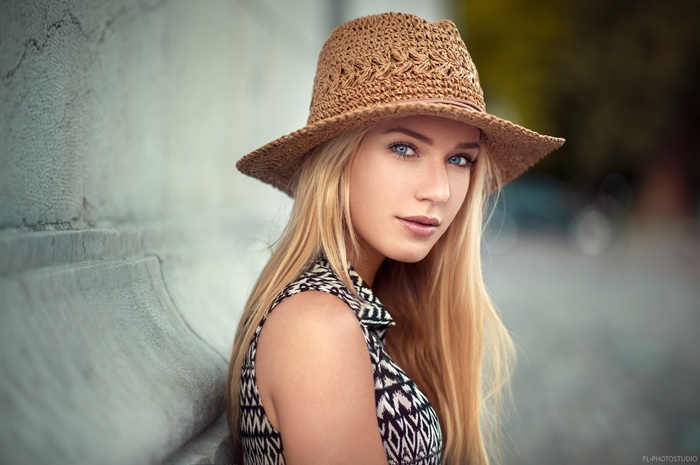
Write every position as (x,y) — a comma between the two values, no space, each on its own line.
(408,424)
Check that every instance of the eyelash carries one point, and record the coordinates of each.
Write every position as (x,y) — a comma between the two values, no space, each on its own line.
(470,162)
(403,156)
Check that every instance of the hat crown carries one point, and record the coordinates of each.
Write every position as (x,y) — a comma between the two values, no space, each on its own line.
(391,57)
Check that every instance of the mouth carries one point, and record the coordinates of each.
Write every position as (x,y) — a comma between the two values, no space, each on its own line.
(420,226)
(424,220)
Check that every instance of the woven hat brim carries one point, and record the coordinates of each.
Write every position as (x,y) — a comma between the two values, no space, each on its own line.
(512,148)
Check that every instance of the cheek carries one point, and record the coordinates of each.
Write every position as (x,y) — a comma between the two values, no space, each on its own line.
(368,199)
(362,191)
(370,180)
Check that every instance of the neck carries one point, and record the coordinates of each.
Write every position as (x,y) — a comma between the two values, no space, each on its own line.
(367,265)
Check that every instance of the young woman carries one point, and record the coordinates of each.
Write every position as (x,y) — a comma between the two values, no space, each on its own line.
(369,337)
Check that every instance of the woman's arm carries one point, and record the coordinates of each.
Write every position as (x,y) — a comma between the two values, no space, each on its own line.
(315,381)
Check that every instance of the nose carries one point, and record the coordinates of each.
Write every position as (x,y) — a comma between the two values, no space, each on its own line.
(434,185)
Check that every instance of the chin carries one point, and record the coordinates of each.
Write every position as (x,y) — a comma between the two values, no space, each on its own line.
(412,256)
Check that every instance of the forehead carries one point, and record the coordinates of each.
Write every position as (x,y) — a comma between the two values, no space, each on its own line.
(434,126)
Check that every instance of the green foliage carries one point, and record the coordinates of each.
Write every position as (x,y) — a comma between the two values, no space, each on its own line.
(617,78)
(511,42)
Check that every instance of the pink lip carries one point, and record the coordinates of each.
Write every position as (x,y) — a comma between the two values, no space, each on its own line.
(421,226)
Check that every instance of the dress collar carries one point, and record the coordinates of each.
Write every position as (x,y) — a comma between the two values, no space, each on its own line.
(372,313)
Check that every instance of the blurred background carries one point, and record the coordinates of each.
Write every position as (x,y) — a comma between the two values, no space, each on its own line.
(129,242)
(618,81)
(593,256)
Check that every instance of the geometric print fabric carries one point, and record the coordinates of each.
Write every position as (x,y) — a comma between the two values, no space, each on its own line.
(407,422)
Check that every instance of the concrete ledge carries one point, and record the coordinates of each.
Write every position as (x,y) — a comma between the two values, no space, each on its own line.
(22,252)
(213,446)
(98,363)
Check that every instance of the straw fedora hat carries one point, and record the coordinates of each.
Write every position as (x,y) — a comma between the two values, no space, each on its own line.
(393,65)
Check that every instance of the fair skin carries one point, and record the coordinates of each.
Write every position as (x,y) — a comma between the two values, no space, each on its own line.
(408,180)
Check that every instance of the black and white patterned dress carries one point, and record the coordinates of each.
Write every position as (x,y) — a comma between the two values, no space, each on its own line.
(407,422)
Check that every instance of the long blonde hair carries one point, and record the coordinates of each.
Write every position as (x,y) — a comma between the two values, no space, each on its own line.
(448,338)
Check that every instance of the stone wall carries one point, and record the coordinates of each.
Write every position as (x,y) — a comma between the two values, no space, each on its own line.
(128,241)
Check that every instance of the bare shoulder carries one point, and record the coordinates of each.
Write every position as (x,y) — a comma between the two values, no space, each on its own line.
(304,327)
(309,312)
(315,380)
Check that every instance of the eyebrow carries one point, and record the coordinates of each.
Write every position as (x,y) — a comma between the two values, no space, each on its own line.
(468,145)
(428,140)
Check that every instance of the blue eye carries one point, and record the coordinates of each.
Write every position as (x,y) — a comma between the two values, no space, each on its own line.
(403,150)
(461,160)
